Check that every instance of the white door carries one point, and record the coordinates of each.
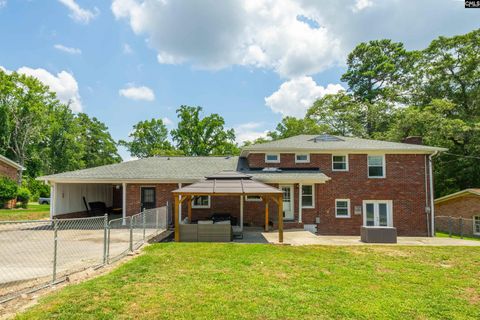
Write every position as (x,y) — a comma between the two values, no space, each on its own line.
(287,202)
(377,213)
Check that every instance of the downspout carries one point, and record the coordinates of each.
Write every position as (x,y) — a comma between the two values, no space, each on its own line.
(432,205)
(427,196)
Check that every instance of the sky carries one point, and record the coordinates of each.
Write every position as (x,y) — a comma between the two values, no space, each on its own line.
(251,61)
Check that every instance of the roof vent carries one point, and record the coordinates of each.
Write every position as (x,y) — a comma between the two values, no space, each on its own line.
(272,169)
(325,137)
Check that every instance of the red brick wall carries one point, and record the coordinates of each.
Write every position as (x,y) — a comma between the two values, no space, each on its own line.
(461,207)
(404,184)
(8,171)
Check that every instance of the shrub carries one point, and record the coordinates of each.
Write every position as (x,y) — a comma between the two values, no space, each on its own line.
(23,195)
(8,190)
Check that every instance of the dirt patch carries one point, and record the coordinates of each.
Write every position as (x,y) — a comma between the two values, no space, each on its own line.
(472,296)
(392,251)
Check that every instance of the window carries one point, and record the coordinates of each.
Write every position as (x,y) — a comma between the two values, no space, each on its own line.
(340,162)
(376,166)
(201,202)
(253,198)
(272,158)
(342,208)
(476,225)
(308,200)
(302,158)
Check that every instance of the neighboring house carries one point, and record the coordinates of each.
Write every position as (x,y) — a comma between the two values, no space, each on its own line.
(10,169)
(330,184)
(463,204)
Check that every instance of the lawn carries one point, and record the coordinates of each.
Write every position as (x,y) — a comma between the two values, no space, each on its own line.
(34,211)
(445,235)
(238,281)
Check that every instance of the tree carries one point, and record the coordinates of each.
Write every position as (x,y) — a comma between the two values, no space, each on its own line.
(291,126)
(149,138)
(196,136)
(99,146)
(376,70)
(341,114)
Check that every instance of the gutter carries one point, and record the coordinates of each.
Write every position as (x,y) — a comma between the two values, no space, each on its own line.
(432,203)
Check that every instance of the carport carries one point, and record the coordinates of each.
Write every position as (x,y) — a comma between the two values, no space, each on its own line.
(229,183)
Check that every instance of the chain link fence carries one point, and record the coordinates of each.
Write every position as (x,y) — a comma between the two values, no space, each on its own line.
(37,254)
(455,226)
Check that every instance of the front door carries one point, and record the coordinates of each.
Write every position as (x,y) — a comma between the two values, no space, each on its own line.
(377,214)
(147,200)
(287,202)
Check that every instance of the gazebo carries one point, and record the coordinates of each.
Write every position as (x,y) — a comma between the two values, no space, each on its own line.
(229,183)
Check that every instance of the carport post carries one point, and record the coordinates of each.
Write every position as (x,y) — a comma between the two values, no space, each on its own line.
(55,245)
(105,238)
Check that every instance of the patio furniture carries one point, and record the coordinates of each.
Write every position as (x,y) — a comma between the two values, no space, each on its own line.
(216,217)
(378,234)
(218,232)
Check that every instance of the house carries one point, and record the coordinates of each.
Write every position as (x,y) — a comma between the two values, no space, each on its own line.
(461,206)
(330,184)
(12,170)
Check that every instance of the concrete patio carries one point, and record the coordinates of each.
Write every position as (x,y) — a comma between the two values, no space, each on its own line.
(302,237)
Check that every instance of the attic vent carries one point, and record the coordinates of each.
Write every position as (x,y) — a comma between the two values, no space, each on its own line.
(272,170)
(325,137)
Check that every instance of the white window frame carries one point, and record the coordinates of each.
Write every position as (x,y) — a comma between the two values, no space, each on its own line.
(272,154)
(313,196)
(384,167)
(348,209)
(302,161)
(475,218)
(249,199)
(194,206)
(346,162)
(389,212)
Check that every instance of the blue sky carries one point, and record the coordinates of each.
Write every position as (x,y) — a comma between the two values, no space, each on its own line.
(250,61)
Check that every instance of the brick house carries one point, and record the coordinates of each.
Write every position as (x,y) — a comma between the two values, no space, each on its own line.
(332,185)
(464,204)
(10,169)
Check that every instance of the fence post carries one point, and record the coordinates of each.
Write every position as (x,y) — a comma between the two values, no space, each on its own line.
(105,238)
(156,219)
(108,242)
(131,233)
(55,245)
(143,223)
(450,227)
(461,228)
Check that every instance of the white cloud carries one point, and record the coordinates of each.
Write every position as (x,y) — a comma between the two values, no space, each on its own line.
(292,37)
(249,131)
(361,4)
(167,121)
(127,49)
(63,84)
(295,96)
(79,14)
(216,34)
(3,3)
(137,93)
(69,50)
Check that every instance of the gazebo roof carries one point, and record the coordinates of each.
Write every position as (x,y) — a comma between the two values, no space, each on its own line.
(228,183)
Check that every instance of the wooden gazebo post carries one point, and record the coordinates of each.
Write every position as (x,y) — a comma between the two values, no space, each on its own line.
(266,199)
(280,218)
(177,224)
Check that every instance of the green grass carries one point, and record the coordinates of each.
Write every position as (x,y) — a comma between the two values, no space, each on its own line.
(34,211)
(445,235)
(235,281)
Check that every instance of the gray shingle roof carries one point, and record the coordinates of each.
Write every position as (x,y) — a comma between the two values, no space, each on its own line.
(332,143)
(187,169)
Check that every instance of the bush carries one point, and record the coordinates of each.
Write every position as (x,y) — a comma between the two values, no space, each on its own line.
(37,188)
(8,190)
(23,195)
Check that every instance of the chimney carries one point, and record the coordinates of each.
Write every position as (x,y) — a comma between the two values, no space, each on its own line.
(413,140)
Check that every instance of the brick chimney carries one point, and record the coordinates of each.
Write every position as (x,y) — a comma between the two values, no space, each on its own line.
(413,140)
